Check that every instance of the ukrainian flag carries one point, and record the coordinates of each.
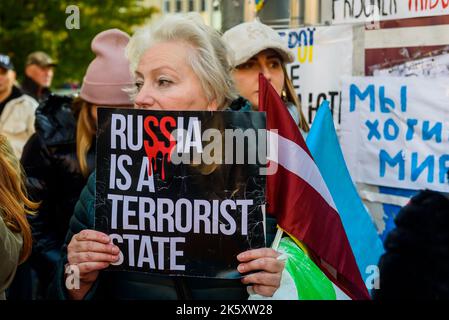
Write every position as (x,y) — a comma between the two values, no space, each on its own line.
(362,234)
(259,5)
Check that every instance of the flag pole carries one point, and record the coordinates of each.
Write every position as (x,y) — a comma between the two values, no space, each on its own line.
(277,238)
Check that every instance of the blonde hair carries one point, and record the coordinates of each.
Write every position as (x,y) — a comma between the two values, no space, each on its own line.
(209,60)
(14,202)
(85,132)
(293,98)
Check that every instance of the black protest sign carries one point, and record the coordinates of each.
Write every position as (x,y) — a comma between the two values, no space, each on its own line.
(181,193)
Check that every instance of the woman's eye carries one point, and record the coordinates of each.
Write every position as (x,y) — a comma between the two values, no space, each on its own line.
(139,85)
(245,66)
(163,82)
(275,64)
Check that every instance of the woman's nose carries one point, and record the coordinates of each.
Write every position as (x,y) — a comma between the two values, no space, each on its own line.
(144,99)
(266,72)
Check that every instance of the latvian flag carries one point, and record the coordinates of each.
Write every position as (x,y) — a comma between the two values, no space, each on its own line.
(299,199)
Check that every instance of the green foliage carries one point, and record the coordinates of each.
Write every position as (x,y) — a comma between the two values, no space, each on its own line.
(31,25)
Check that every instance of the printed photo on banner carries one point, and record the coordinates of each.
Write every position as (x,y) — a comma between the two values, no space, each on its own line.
(433,67)
(316,72)
(395,131)
(181,193)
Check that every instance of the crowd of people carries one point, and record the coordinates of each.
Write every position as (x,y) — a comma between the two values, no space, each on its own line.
(178,63)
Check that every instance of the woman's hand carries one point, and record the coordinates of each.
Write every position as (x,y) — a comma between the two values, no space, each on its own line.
(90,251)
(268,279)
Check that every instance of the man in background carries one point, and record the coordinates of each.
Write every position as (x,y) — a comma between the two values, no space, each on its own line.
(38,75)
(16,109)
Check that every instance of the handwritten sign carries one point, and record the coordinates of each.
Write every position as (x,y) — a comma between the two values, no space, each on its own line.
(395,131)
(317,68)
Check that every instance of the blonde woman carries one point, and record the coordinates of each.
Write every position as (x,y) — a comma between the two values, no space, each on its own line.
(15,233)
(61,155)
(179,64)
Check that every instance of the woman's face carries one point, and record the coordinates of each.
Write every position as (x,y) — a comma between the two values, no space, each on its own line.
(246,75)
(166,81)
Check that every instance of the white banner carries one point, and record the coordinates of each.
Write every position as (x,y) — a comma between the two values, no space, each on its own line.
(322,56)
(369,11)
(395,131)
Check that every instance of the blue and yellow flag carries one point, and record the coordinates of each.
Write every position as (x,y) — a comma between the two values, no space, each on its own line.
(259,5)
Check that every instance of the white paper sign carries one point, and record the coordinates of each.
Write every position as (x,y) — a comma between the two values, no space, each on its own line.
(369,11)
(395,131)
(322,56)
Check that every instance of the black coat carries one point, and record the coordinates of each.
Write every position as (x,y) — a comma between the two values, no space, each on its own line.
(53,178)
(415,265)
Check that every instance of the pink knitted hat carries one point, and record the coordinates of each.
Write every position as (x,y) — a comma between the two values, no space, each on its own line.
(108,74)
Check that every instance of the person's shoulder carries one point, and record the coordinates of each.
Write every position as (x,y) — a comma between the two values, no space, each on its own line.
(55,104)
(423,221)
(55,121)
(426,209)
(240,104)
(30,101)
(24,101)
(12,241)
(84,212)
(91,181)
(88,192)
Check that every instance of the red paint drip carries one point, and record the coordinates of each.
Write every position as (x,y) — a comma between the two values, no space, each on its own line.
(159,146)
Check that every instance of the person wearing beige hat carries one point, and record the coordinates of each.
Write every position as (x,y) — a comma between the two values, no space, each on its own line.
(256,48)
(39,71)
(59,157)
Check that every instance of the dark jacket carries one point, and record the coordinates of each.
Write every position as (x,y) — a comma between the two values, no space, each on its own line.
(415,265)
(53,178)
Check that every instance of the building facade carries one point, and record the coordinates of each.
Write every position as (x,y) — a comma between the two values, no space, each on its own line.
(276,13)
(208,9)
(224,14)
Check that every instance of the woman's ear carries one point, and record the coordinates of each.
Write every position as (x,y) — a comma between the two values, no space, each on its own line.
(212,106)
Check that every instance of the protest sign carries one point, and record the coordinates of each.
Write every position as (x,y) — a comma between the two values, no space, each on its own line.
(406,47)
(365,11)
(395,131)
(166,205)
(322,56)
